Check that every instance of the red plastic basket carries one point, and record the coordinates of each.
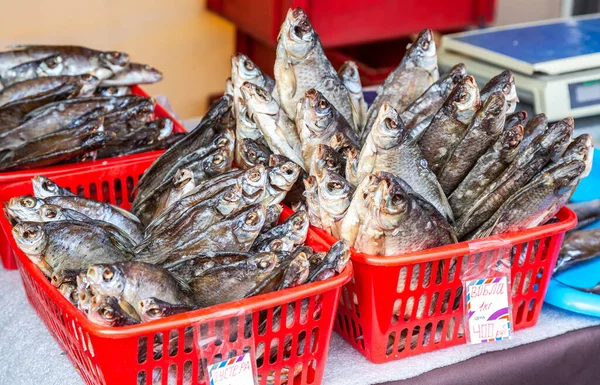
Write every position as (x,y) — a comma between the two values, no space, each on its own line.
(6,178)
(110,355)
(379,309)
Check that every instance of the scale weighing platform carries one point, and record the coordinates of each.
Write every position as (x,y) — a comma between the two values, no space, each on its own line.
(556,63)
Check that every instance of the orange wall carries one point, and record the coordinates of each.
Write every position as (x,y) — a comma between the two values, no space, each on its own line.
(189,44)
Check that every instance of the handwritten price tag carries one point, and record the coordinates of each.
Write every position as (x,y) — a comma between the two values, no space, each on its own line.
(488,314)
(235,371)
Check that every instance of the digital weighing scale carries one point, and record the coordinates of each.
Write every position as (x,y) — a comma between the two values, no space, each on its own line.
(556,63)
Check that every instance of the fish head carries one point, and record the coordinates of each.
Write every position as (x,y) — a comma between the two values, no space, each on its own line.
(114,60)
(105,310)
(366,188)
(564,174)
(557,137)
(152,309)
(297,272)
(325,157)
(422,53)
(350,76)
(388,129)
(183,179)
(218,161)
(244,70)
(493,111)
(25,208)
(254,153)
(464,100)
(51,213)
(283,176)
(147,74)
(89,84)
(254,181)
(394,204)
(107,279)
(263,263)
(581,148)
(258,100)
(318,112)
(31,238)
(229,200)
(503,82)
(298,228)
(249,223)
(510,143)
(453,77)
(335,193)
(297,34)
(338,255)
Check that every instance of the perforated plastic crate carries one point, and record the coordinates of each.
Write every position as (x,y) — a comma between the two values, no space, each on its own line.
(392,309)
(132,355)
(6,178)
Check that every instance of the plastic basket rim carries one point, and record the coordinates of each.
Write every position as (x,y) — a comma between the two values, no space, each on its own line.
(13,176)
(186,319)
(258,302)
(566,221)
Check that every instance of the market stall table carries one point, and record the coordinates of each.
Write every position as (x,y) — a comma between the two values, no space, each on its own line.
(562,348)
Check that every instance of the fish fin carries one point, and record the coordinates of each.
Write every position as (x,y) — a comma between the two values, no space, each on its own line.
(127,214)
(130,310)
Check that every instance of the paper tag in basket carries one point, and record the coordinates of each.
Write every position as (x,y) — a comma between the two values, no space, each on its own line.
(235,371)
(488,316)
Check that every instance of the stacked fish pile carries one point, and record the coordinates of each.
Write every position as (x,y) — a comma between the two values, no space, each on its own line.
(67,103)
(200,233)
(433,160)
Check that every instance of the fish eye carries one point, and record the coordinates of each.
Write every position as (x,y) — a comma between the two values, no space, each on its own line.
(52,63)
(218,159)
(230,196)
(463,96)
(276,244)
(252,155)
(425,45)
(48,185)
(107,275)
(107,313)
(154,312)
(147,68)
(298,223)
(323,104)
(455,79)
(392,123)
(222,142)
(254,176)
(330,163)
(298,31)
(261,92)
(263,264)
(50,213)
(30,234)
(87,77)
(506,88)
(28,202)
(397,199)
(251,219)
(334,185)
(249,65)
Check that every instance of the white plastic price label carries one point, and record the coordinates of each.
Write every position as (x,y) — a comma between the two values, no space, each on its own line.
(488,315)
(235,371)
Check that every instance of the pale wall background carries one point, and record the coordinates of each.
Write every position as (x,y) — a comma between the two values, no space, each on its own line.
(189,44)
